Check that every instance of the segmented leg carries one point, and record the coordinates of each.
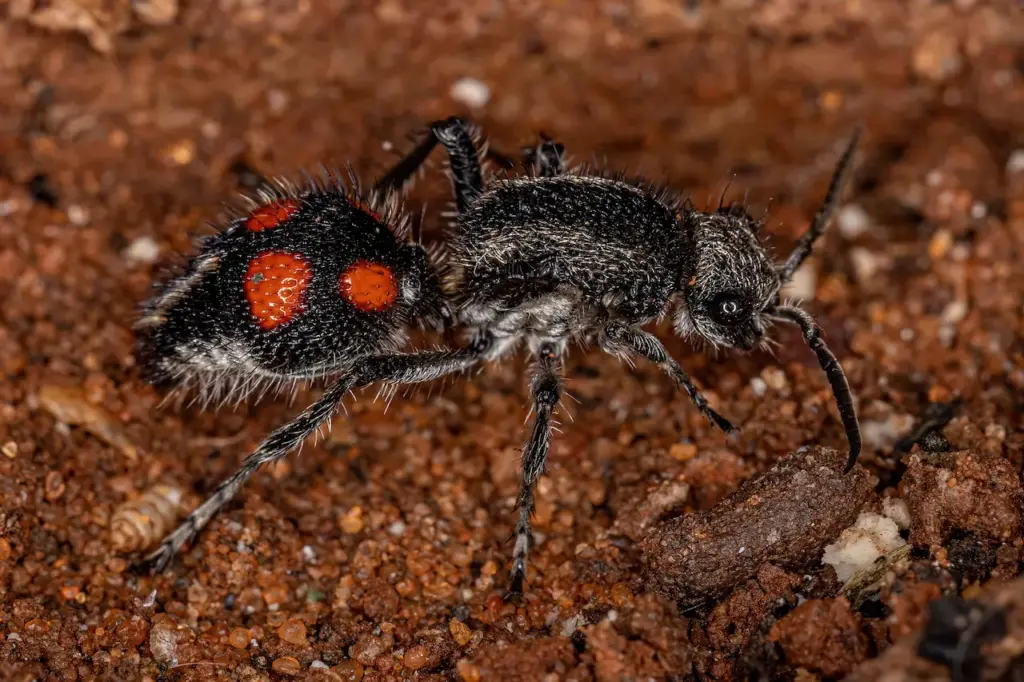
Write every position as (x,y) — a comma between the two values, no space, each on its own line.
(547,389)
(836,377)
(547,159)
(619,338)
(408,368)
(458,138)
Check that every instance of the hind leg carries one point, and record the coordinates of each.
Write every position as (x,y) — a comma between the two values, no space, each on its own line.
(409,368)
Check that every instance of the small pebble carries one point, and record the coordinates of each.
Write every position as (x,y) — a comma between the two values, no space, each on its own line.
(804,282)
(460,631)
(277,100)
(467,671)
(10,449)
(239,638)
(1015,164)
(143,250)
(293,631)
(471,92)
(181,153)
(53,486)
(352,521)
(417,657)
(865,263)
(287,665)
(397,528)
(349,671)
(759,386)
(318,665)
(853,221)
(77,215)
(156,12)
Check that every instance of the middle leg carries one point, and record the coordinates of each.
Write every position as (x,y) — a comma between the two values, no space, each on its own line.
(547,390)
(622,339)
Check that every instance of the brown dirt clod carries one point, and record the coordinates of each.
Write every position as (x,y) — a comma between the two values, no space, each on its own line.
(966,491)
(823,635)
(785,517)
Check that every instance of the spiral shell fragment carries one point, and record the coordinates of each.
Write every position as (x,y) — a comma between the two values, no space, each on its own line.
(141,522)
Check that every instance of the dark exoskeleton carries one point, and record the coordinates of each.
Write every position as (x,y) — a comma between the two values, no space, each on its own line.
(559,256)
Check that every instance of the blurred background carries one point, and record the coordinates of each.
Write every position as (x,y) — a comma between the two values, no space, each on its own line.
(124,126)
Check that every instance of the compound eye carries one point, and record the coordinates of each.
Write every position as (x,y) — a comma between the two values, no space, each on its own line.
(727,309)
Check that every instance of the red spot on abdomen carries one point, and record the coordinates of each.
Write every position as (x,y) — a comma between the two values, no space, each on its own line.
(275,284)
(272,215)
(371,287)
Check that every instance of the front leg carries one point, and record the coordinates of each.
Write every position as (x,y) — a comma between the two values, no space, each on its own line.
(547,390)
(621,339)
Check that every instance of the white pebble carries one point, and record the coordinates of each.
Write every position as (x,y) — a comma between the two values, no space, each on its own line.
(955,312)
(277,101)
(758,385)
(308,553)
(896,509)
(318,665)
(397,528)
(77,215)
(853,221)
(861,544)
(471,92)
(865,263)
(142,250)
(804,282)
(882,435)
(1015,164)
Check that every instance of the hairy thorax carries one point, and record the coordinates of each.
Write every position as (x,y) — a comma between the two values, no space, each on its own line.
(552,259)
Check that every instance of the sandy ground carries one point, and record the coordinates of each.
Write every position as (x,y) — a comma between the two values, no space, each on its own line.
(380,553)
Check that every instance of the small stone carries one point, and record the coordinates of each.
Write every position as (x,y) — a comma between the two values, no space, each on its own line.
(349,671)
(53,486)
(471,92)
(417,657)
(293,631)
(896,509)
(682,451)
(467,671)
(10,449)
(759,386)
(940,244)
(367,649)
(460,631)
(37,626)
(287,665)
(239,638)
(804,283)
(1015,164)
(156,12)
(277,101)
(397,528)
(937,56)
(181,153)
(352,521)
(5,549)
(318,665)
(865,263)
(143,250)
(853,221)
(77,215)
